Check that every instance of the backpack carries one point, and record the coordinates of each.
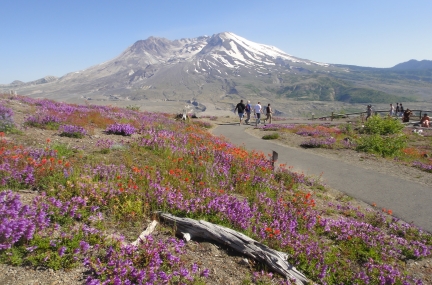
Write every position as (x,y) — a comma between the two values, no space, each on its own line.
(248,108)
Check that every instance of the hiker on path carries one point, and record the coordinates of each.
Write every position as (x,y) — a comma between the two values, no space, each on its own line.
(368,111)
(269,114)
(392,110)
(248,112)
(406,115)
(241,108)
(425,121)
(257,113)
(397,109)
(401,110)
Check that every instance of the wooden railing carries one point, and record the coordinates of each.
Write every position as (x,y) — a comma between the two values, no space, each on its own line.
(362,115)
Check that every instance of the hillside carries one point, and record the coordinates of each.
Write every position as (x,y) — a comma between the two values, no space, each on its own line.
(414,65)
(97,174)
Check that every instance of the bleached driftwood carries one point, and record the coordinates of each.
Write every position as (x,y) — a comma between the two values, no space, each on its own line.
(276,260)
(186,236)
(150,228)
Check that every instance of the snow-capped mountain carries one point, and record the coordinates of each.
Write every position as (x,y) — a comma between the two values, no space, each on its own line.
(223,49)
(202,68)
(220,55)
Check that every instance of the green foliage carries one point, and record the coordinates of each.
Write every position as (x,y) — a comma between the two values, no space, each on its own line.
(75,135)
(13,256)
(386,74)
(42,252)
(8,127)
(365,95)
(285,178)
(348,129)
(52,126)
(383,145)
(133,107)
(128,209)
(271,136)
(63,150)
(326,88)
(382,126)
(253,88)
(47,126)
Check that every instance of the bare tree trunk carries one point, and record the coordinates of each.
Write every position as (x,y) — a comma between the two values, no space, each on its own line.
(276,260)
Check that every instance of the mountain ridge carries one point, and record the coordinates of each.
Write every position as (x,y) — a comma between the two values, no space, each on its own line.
(414,65)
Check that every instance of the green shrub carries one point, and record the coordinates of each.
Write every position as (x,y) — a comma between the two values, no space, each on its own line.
(382,126)
(347,129)
(382,145)
(271,136)
(72,135)
(8,128)
(63,150)
(133,107)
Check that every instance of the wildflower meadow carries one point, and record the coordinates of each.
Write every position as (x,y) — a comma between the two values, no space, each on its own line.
(148,162)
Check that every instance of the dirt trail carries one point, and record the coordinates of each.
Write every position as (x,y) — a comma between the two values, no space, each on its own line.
(409,200)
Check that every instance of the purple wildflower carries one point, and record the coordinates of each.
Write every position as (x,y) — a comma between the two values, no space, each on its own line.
(121,129)
(72,131)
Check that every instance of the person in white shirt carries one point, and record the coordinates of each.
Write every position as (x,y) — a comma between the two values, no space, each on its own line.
(392,110)
(257,112)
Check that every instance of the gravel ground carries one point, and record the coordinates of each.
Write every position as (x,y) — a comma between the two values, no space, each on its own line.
(11,275)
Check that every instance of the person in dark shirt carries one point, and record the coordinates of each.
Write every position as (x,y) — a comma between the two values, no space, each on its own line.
(240,108)
(248,112)
(406,116)
(368,111)
(397,110)
(269,112)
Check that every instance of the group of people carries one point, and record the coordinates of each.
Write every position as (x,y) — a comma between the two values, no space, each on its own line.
(399,111)
(257,110)
(406,114)
(424,121)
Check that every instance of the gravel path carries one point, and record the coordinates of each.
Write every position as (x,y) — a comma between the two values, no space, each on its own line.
(408,199)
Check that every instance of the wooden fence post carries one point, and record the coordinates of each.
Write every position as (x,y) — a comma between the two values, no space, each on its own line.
(275,156)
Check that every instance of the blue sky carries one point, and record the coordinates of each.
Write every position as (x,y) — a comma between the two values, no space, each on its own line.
(40,38)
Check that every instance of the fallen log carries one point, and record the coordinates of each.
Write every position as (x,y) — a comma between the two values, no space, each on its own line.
(150,228)
(276,260)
